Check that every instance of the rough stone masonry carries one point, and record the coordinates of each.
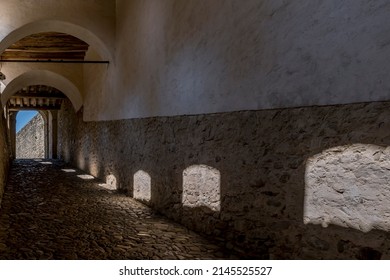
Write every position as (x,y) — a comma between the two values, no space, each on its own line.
(4,157)
(282,172)
(30,140)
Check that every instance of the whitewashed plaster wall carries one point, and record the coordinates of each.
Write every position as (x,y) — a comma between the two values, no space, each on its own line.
(72,72)
(92,21)
(97,16)
(190,57)
(176,57)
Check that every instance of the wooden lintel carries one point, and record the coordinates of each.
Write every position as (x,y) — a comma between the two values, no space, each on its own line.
(12,108)
(38,95)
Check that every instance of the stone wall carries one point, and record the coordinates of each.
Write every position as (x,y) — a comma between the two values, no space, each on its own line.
(4,156)
(271,165)
(30,140)
(357,194)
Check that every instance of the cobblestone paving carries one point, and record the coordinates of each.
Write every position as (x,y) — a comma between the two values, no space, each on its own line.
(48,213)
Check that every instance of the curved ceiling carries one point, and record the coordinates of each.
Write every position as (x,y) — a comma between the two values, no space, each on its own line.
(36,97)
(47,45)
(43,77)
(48,26)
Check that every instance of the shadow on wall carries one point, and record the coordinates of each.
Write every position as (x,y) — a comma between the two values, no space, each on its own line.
(201,187)
(348,186)
(201,198)
(278,170)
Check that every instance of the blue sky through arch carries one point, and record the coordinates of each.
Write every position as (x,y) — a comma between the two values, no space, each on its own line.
(23,117)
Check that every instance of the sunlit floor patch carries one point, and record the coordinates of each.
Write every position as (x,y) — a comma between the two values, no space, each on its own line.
(46,162)
(86,177)
(107,187)
(56,215)
(68,170)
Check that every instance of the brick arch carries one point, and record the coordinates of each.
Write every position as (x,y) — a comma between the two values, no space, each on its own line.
(43,77)
(57,26)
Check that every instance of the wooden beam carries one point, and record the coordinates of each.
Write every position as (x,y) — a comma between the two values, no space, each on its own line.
(38,95)
(43,55)
(47,50)
(38,108)
(56,61)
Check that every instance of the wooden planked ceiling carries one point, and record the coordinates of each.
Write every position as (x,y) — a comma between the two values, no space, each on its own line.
(36,97)
(45,46)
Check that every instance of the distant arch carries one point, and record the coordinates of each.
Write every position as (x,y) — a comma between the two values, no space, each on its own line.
(57,26)
(43,77)
(32,143)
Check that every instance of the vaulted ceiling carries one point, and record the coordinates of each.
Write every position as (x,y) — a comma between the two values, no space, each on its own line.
(47,45)
(36,97)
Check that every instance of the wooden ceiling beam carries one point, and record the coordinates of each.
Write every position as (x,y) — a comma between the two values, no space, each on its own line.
(38,108)
(39,95)
(50,60)
(47,45)
(43,55)
(45,50)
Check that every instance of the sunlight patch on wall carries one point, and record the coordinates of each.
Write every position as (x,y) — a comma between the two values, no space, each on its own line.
(348,186)
(142,186)
(111,183)
(201,187)
(80,160)
(94,168)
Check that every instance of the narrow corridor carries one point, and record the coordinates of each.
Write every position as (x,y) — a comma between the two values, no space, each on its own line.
(48,212)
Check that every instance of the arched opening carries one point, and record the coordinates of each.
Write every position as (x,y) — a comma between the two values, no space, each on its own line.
(58,26)
(45,99)
(36,53)
(30,135)
(43,77)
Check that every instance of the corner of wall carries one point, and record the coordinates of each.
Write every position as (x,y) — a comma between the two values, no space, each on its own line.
(4,157)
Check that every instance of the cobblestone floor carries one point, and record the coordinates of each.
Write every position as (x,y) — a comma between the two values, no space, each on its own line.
(48,213)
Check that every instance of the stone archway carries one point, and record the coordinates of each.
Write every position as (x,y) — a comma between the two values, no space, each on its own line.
(31,138)
(44,77)
(58,26)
